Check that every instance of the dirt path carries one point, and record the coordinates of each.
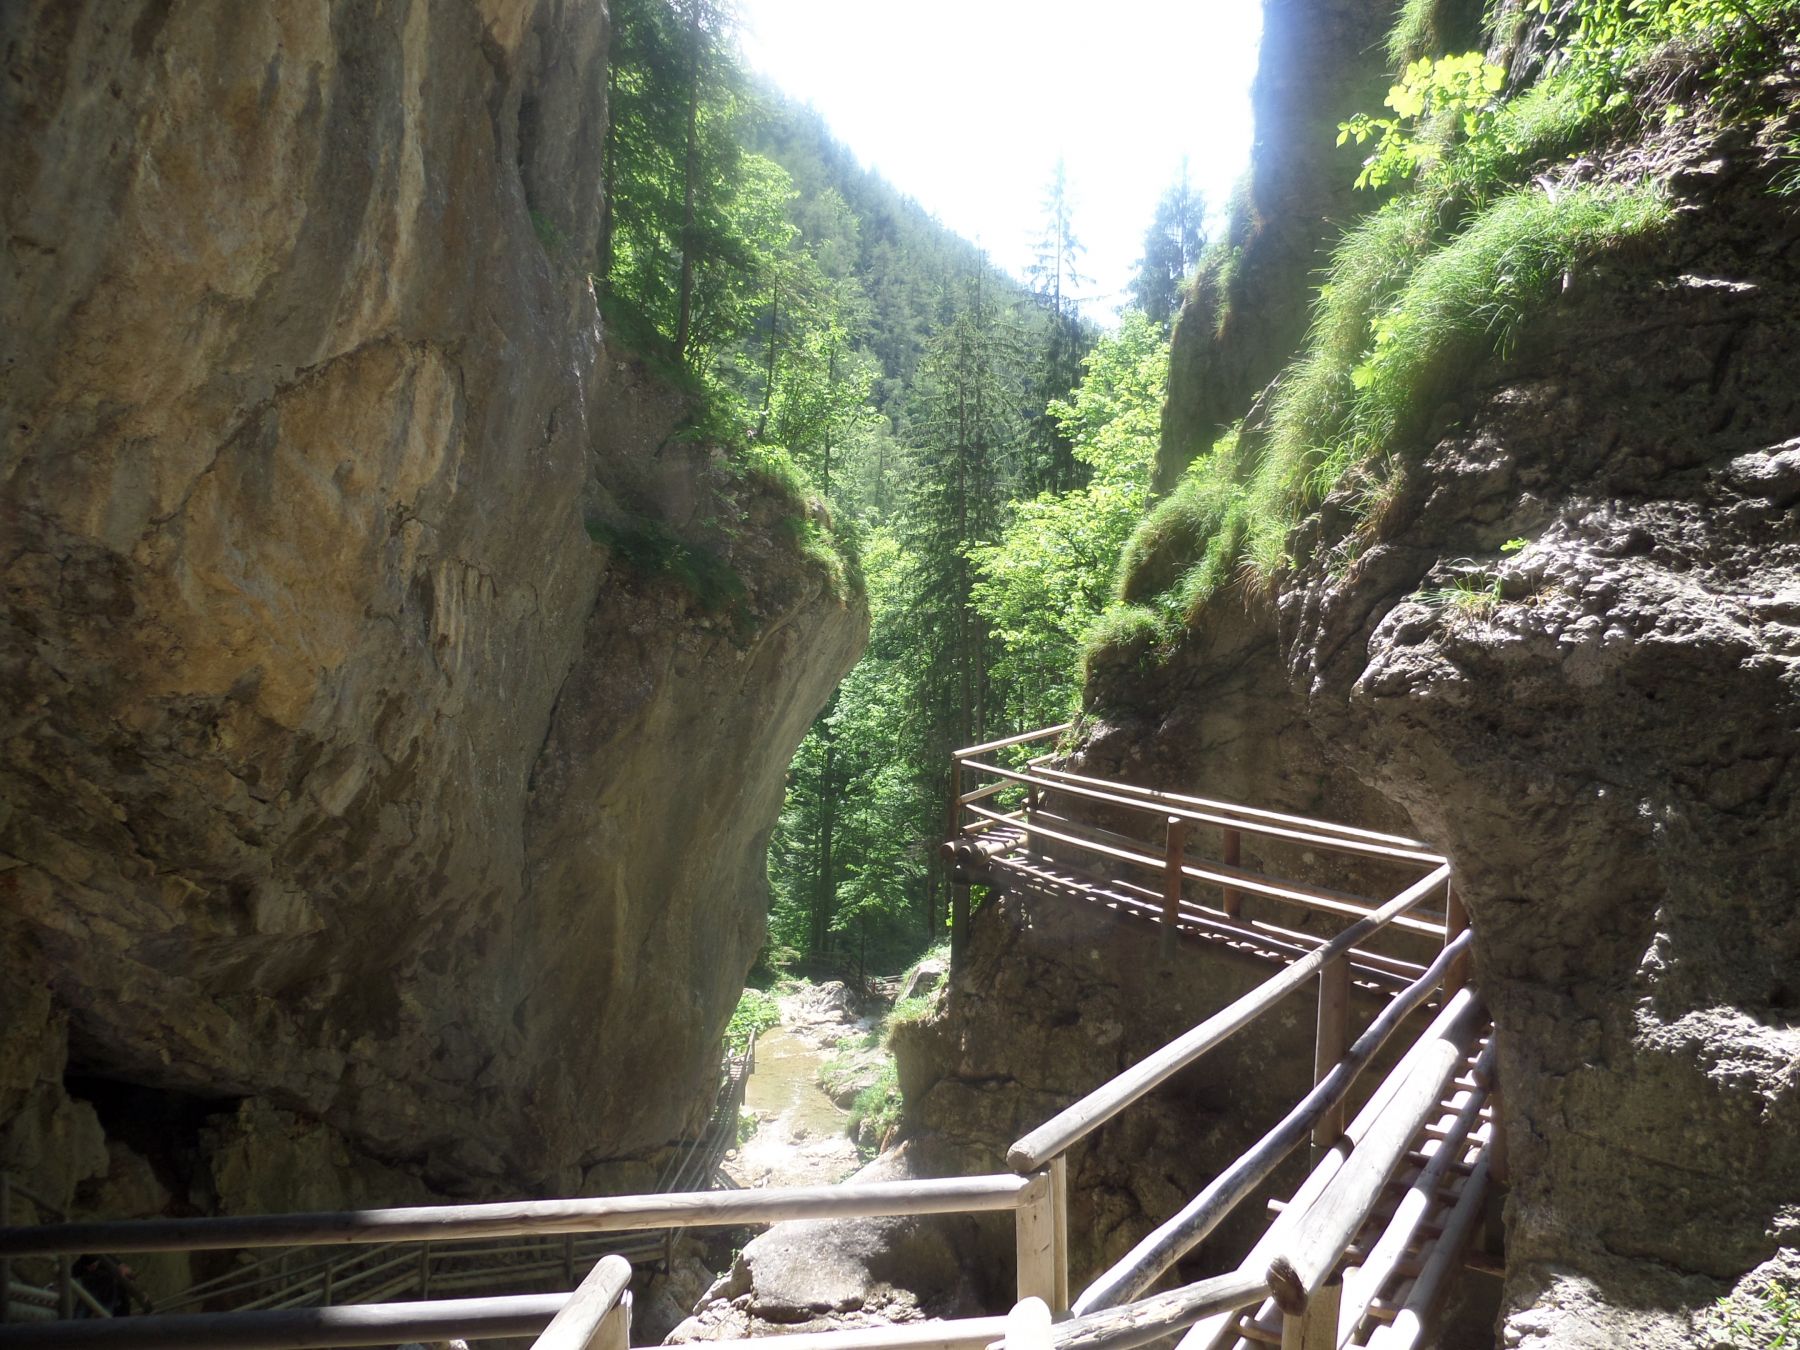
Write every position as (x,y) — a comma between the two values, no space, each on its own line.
(800,1139)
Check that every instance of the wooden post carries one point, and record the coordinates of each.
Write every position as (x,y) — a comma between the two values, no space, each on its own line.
(597,1316)
(1493,1228)
(959,918)
(1333,1038)
(425,1270)
(1316,1328)
(1174,851)
(1059,1204)
(5,1261)
(65,1288)
(1034,1229)
(1032,802)
(1231,854)
(1027,1326)
(1456,919)
(1498,1172)
(325,1290)
(615,1331)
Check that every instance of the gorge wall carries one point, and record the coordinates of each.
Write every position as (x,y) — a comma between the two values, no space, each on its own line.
(1567,656)
(367,828)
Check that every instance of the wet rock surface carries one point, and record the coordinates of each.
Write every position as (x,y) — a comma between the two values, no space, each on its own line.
(345,772)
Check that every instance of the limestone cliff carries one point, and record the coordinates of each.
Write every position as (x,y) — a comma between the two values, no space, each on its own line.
(1246,309)
(372,800)
(1566,655)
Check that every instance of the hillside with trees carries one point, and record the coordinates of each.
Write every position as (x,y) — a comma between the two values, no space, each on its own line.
(978,442)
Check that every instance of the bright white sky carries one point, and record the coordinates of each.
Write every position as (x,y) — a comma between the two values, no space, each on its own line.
(966,104)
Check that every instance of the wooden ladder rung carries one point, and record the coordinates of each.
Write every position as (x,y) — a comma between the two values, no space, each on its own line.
(1461,1168)
(1252,1329)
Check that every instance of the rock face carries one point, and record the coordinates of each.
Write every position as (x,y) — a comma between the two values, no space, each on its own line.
(345,774)
(1319,61)
(837,1274)
(1604,755)
(1596,729)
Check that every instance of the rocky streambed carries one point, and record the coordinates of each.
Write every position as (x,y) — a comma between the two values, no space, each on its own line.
(818,1276)
(802,1133)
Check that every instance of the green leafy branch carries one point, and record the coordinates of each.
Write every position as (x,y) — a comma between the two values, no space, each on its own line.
(1446,95)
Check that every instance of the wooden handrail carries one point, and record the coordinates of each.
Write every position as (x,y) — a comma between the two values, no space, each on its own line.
(1227,873)
(1160,799)
(1144,1263)
(1322,1233)
(1407,1332)
(594,1318)
(1045,733)
(296,1328)
(615,1214)
(1164,804)
(1076,1122)
(1236,878)
(963,1333)
(1143,900)
(1153,1318)
(1381,1260)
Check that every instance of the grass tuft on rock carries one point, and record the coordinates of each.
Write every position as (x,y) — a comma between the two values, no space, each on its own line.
(1404,313)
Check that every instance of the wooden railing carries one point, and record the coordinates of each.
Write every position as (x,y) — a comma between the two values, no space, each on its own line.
(1016,840)
(1027,1198)
(296,1277)
(1290,1274)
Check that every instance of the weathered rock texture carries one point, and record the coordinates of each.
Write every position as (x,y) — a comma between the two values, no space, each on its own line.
(345,776)
(837,1274)
(1320,60)
(1603,746)
(1054,998)
(1607,757)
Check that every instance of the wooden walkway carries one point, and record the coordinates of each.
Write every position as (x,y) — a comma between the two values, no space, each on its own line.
(1031,828)
(1362,1253)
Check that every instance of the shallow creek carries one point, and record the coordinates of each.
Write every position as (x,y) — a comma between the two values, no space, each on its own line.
(799,1139)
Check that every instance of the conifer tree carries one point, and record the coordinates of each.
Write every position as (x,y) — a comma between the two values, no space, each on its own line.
(1056,282)
(1172,248)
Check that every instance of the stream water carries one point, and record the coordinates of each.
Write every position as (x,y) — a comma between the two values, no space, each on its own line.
(799,1138)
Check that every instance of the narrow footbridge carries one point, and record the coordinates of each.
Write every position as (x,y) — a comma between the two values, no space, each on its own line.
(1360,1253)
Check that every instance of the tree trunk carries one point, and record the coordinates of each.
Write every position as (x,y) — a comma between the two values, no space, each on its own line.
(609,172)
(690,185)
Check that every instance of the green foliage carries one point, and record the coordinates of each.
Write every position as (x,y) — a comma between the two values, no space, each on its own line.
(1604,43)
(880,1104)
(756,1012)
(650,548)
(911,1010)
(1767,1318)
(1414,33)
(1473,590)
(1435,98)
(1402,316)
(1045,582)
